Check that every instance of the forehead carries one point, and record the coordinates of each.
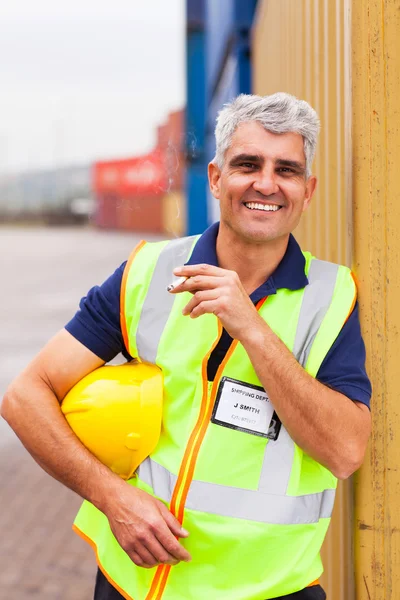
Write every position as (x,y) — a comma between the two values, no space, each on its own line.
(252,138)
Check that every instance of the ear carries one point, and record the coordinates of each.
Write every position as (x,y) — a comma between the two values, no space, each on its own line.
(214,179)
(311,185)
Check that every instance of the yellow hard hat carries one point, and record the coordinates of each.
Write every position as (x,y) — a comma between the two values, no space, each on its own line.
(116,413)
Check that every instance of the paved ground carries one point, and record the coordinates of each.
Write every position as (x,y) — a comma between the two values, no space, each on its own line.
(44,273)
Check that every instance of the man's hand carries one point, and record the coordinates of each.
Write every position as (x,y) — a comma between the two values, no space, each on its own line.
(220,292)
(145,528)
(327,425)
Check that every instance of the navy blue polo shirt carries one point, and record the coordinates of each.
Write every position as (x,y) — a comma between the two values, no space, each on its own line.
(97,323)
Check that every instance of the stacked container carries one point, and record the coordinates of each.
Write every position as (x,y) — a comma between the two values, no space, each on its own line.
(129,192)
(144,193)
(170,144)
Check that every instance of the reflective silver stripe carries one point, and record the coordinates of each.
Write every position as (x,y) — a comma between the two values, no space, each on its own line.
(317,297)
(255,506)
(158,302)
(277,464)
(157,477)
(238,503)
(270,502)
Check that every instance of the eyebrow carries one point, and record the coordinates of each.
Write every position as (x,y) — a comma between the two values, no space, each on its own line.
(257,158)
(245,158)
(294,164)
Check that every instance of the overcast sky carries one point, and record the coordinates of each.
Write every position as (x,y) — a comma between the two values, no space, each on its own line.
(82,80)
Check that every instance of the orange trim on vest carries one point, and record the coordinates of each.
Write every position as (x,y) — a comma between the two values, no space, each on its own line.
(202,432)
(161,576)
(106,575)
(163,582)
(124,328)
(115,585)
(354,299)
(355,279)
(186,471)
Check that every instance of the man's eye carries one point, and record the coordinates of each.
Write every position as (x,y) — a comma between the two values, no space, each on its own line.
(285,170)
(247,165)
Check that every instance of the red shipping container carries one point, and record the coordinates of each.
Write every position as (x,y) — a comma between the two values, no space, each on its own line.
(129,191)
(170,140)
(140,213)
(145,175)
(106,211)
(171,133)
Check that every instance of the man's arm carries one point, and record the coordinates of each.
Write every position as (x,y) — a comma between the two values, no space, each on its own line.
(143,526)
(327,425)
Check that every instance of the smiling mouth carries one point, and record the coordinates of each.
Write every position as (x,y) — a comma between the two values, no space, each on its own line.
(263,207)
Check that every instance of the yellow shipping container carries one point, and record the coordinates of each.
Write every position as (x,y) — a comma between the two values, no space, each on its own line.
(343,56)
(174,213)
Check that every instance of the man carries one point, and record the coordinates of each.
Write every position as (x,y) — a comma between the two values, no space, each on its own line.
(266,399)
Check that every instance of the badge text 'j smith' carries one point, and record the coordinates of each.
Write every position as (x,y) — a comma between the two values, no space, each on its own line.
(246,407)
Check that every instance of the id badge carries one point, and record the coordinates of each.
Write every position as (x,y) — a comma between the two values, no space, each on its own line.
(245,407)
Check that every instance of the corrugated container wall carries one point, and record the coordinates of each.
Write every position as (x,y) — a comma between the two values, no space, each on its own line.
(299,47)
(344,57)
(376,189)
(302,47)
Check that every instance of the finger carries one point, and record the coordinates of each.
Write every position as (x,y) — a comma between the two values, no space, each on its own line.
(161,555)
(172,522)
(142,557)
(166,535)
(201,269)
(171,545)
(201,282)
(205,307)
(198,298)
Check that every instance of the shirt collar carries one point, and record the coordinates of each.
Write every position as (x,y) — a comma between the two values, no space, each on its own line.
(289,274)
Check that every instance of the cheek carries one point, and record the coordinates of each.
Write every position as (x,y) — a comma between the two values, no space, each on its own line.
(232,191)
(237,188)
(296,194)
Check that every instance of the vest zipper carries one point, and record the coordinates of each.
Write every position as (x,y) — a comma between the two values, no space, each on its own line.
(186,471)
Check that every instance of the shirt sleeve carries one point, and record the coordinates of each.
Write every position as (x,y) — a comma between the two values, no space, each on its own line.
(97,323)
(343,368)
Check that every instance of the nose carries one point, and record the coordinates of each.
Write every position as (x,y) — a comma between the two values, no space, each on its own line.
(265,182)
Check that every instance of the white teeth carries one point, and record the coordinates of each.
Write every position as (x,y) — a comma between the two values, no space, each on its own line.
(267,207)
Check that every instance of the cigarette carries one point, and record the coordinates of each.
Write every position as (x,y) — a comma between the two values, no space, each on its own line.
(175,283)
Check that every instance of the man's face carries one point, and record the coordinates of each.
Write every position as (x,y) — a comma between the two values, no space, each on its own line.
(262,170)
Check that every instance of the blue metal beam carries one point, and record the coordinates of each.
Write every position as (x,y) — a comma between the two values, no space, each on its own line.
(196,175)
(218,68)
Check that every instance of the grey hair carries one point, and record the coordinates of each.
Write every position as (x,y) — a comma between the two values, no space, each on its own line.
(278,113)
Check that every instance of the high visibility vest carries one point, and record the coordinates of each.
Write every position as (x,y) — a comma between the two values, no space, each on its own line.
(257,509)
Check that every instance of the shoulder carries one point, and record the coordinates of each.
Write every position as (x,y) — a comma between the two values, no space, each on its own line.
(149,255)
(97,323)
(318,268)
(336,277)
(343,368)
